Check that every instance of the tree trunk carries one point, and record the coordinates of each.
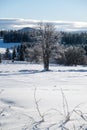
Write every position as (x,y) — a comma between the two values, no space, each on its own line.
(46,62)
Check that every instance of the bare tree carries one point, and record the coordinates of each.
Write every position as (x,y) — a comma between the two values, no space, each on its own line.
(47,37)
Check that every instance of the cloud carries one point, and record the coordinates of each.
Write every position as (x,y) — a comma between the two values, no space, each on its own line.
(16,24)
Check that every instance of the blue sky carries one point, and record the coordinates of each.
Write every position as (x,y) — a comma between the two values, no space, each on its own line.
(65,10)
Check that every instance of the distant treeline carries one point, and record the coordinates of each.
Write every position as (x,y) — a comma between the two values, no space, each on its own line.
(74,38)
(16,36)
(66,38)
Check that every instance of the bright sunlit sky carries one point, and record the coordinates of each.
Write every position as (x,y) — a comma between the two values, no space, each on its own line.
(66,10)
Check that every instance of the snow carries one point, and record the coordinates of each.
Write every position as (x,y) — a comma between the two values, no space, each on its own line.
(19,82)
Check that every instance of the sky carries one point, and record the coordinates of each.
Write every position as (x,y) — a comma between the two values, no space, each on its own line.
(63,10)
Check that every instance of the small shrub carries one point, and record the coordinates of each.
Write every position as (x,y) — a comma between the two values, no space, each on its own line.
(75,56)
(34,54)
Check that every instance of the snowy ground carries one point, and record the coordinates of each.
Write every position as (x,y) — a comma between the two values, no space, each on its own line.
(18,84)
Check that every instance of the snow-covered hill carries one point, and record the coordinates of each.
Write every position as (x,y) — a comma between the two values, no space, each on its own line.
(23,86)
(16,24)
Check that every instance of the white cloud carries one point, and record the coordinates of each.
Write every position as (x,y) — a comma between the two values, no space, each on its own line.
(9,24)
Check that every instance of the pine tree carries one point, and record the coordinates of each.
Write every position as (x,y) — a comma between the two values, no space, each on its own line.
(14,55)
(22,51)
(7,54)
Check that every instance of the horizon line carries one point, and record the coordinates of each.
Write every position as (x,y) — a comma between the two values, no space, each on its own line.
(43,20)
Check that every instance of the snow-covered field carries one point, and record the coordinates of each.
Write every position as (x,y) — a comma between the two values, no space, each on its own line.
(26,91)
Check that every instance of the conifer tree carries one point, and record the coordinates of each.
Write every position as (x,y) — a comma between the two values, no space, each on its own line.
(14,55)
(7,54)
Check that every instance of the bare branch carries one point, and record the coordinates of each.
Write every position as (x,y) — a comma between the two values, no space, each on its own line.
(65,104)
(37,106)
